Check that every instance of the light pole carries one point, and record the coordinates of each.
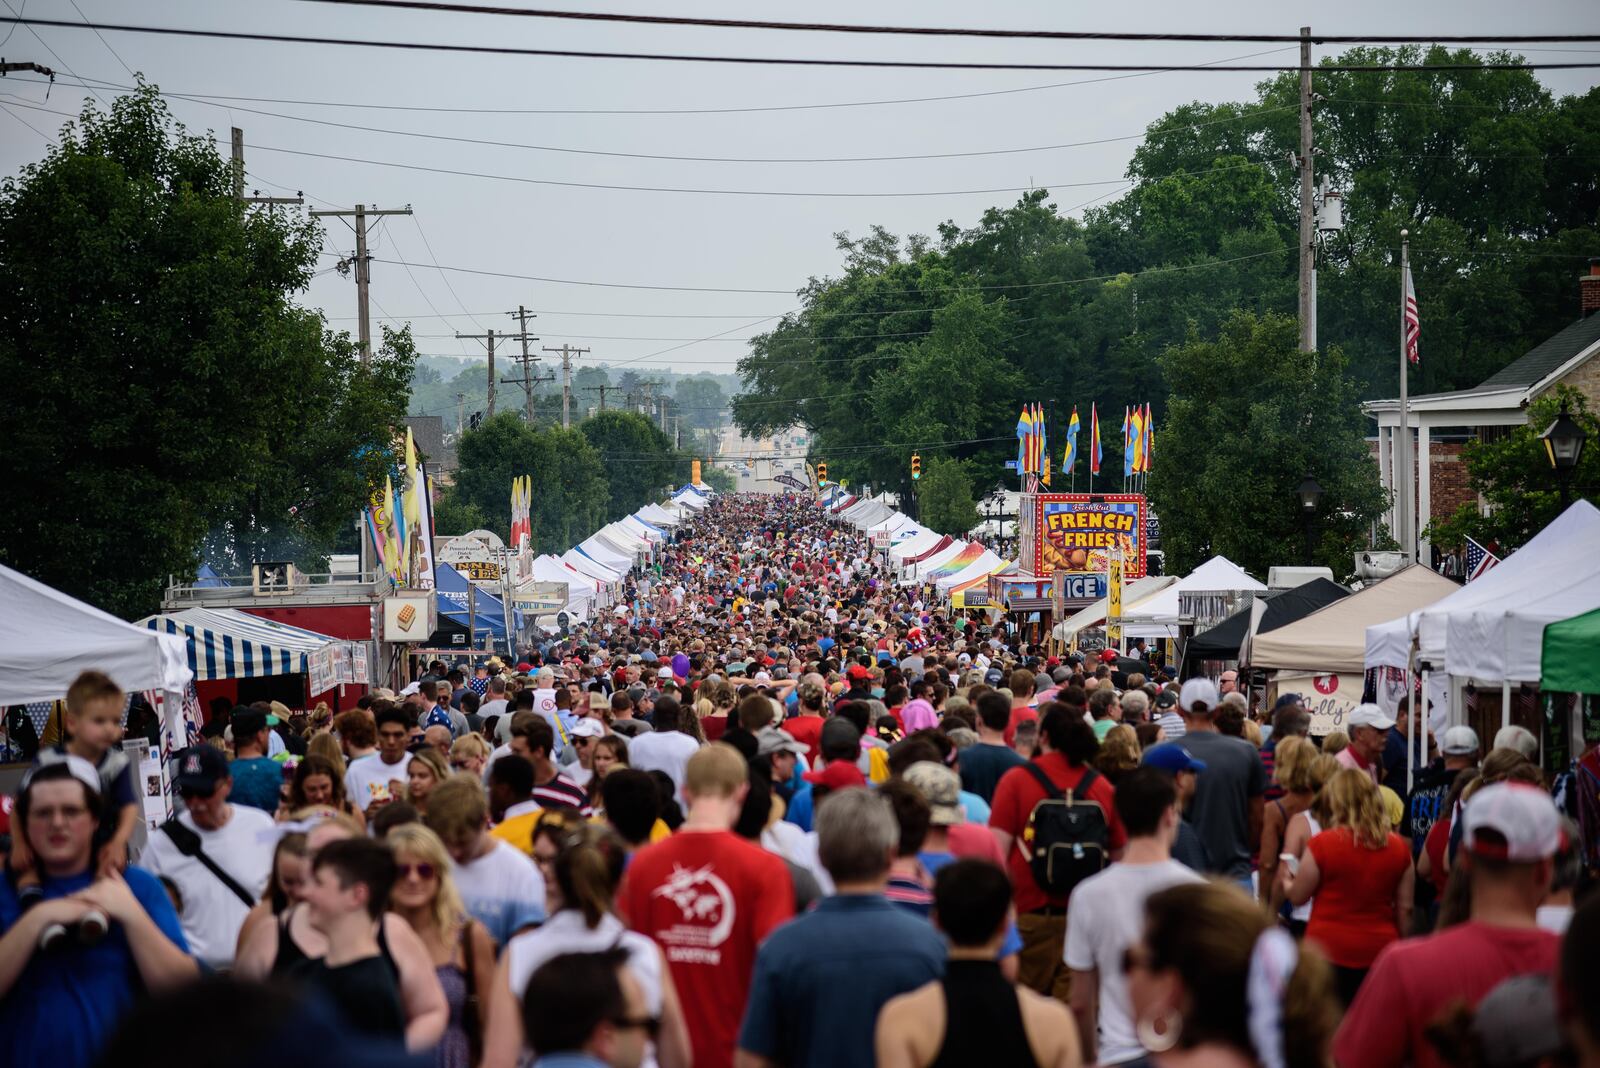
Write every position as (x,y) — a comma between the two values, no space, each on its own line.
(1563,444)
(1309,494)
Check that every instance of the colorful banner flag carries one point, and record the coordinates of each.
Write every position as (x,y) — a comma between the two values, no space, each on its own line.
(1025,441)
(1070,464)
(1136,438)
(1149,435)
(1094,439)
(1127,443)
(422,577)
(413,484)
(1042,426)
(392,554)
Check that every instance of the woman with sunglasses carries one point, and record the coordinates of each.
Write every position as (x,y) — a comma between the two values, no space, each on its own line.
(583,864)
(425,771)
(469,753)
(459,946)
(1215,983)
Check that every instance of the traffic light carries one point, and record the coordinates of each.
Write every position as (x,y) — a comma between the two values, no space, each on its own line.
(916,466)
(822,471)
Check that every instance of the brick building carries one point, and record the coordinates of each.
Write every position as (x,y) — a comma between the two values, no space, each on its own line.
(1441,423)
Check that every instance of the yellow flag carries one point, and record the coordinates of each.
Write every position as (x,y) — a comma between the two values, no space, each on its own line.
(413,487)
(391,543)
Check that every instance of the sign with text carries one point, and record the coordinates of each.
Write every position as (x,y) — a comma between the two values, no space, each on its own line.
(480,570)
(1114,602)
(1330,698)
(1079,532)
(790,480)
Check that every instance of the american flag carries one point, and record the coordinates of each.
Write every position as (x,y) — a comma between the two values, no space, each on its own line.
(1413,323)
(1479,560)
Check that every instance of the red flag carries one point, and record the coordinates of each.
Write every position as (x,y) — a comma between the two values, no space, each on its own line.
(1094,439)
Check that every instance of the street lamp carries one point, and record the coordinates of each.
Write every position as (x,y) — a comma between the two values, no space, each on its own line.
(1309,493)
(1563,444)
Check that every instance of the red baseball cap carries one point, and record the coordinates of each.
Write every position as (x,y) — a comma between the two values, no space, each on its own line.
(1109,656)
(839,775)
(858,672)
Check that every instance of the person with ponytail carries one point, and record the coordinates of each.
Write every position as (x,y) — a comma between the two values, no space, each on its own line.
(1214,983)
(1360,873)
(580,896)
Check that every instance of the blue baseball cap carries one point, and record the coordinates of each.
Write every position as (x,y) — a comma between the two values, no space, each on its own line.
(1172,758)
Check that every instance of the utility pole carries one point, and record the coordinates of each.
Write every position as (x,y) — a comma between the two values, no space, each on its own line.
(488,338)
(522,315)
(1308,313)
(567,353)
(238,178)
(363,268)
(461,413)
(527,383)
(602,390)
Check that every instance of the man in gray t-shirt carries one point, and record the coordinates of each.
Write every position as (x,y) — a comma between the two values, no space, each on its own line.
(1227,802)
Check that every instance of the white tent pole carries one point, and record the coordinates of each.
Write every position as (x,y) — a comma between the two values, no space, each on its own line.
(1411,724)
(1422,719)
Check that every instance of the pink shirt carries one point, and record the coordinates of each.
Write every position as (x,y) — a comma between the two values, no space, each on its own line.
(1349,758)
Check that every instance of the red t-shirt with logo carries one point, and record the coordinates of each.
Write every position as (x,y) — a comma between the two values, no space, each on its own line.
(1013,803)
(708,898)
(807,730)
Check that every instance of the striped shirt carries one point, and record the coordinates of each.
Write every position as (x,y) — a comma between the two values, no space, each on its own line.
(562,791)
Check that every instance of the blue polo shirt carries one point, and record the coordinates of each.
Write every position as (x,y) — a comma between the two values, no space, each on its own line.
(65,1004)
(256,782)
(821,979)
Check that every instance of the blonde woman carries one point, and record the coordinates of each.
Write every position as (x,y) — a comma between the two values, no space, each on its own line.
(1293,773)
(1301,828)
(469,753)
(459,947)
(426,770)
(326,746)
(1119,753)
(1360,873)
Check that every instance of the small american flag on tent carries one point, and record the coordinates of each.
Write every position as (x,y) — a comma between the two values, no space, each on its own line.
(1479,560)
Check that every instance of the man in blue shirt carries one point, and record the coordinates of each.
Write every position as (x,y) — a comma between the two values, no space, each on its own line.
(108,941)
(821,978)
(257,778)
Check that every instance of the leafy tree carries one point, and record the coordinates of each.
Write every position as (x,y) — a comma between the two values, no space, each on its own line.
(1514,476)
(702,401)
(944,496)
(162,384)
(638,458)
(718,478)
(1249,416)
(569,482)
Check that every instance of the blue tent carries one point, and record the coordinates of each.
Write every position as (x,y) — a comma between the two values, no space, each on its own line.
(208,577)
(450,588)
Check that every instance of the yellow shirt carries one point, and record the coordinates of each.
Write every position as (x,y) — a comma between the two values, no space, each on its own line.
(518,831)
(659,831)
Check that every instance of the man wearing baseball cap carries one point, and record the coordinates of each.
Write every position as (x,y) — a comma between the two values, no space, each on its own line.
(76,962)
(1369,728)
(1510,835)
(1458,751)
(1226,808)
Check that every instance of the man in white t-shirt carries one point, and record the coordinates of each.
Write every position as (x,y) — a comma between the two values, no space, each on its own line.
(1105,915)
(666,748)
(500,886)
(495,704)
(237,838)
(381,777)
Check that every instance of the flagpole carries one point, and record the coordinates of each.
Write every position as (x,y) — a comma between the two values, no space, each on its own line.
(1402,482)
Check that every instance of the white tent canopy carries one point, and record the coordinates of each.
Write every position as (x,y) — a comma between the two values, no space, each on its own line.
(1563,553)
(1134,595)
(691,499)
(890,523)
(1333,638)
(1215,575)
(48,639)
(659,516)
(641,529)
(591,568)
(607,555)
(582,591)
(953,549)
(984,565)
(915,545)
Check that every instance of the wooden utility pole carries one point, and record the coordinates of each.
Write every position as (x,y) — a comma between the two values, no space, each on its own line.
(363,268)
(488,337)
(602,390)
(522,316)
(238,178)
(527,383)
(461,410)
(567,353)
(1308,222)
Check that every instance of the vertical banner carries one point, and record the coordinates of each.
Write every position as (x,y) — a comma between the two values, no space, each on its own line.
(694,472)
(423,578)
(1114,603)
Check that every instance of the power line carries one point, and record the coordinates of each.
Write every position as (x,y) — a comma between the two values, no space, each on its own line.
(780,61)
(103,41)
(946,31)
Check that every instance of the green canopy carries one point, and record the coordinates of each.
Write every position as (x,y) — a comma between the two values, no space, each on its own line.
(1571,655)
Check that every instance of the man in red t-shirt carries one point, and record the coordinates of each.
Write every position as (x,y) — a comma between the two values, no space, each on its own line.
(1021,686)
(806,724)
(1067,746)
(1509,840)
(709,898)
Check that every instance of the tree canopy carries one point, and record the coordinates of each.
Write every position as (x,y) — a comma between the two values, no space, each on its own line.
(570,490)
(638,458)
(163,387)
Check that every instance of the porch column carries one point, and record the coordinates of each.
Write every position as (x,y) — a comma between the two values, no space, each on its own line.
(1386,470)
(1424,491)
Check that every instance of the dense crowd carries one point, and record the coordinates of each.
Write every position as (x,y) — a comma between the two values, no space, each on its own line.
(773,808)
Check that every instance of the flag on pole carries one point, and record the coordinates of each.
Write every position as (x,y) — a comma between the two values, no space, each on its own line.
(1149,435)
(413,487)
(1136,438)
(1127,443)
(1044,446)
(1413,322)
(1070,463)
(1479,560)
(1024,440)
(1094,439)
(392,545)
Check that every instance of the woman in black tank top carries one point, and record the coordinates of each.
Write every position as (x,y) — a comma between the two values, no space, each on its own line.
(293,963)
(982,1019)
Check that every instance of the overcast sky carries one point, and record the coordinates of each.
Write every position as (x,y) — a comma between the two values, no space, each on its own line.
(716,241)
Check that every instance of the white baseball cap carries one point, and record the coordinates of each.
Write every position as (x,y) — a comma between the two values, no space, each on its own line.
(1197,691)
(1521,815)
(587,728)
(1459,740)
(1370,716)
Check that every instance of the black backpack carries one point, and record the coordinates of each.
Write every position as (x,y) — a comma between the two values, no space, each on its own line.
(1067,837)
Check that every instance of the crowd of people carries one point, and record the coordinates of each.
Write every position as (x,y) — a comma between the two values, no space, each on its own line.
(773,808)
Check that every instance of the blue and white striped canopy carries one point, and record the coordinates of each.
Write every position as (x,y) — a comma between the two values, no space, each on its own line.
(225,643)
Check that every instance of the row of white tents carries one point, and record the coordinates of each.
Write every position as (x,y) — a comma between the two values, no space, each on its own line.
(594,569)
(918,554)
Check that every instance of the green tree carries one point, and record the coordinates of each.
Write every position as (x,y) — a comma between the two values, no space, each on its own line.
(718,478)
(944,496)
(702,401)
(639,459)
(1250,415)
(569,482)
(162,385)
(1514,476)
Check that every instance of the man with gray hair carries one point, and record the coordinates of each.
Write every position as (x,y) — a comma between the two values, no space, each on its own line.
(1135,706)
(821,978)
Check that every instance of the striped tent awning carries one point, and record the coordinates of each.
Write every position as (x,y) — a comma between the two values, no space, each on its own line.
(225,643)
